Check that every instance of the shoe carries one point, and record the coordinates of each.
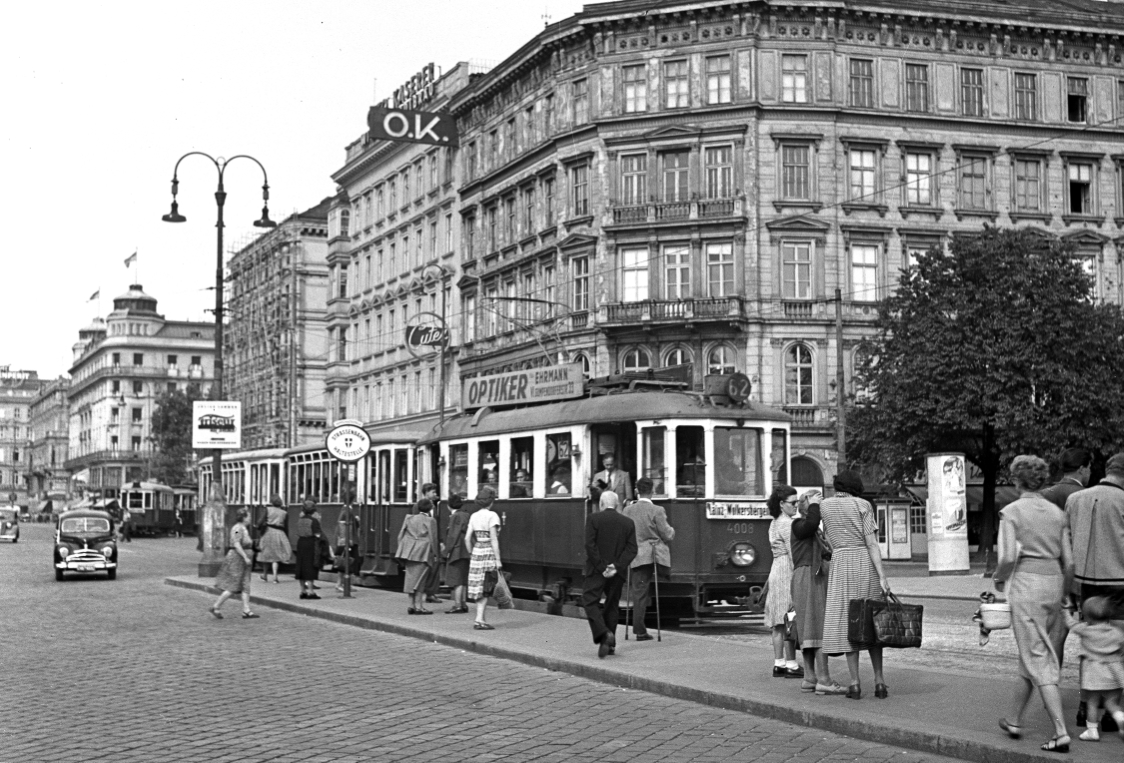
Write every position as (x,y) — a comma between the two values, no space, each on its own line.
(854,691)
(215,613)
(304,595)
(880,691)
(794,672)
(423,612)
(277,580)
(250,616)
(1013,731)
(1057,744)
(779,671)
(313,596)
(456,611)
(483,626)
(433,600)
(832,689)
(612,650)
(807,686)
(339,589)
(264,577)
(644,636)
(411,611)
(603,648)
(1091,734)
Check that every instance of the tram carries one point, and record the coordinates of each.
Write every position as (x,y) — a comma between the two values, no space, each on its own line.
(713,463)
(151,507)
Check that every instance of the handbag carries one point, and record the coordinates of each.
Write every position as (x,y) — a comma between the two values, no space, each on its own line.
(897,625)
(502,592)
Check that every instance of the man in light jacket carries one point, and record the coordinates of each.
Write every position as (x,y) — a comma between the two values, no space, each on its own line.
(653,557)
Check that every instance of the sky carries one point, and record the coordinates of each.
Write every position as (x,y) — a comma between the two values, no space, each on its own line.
(103,98)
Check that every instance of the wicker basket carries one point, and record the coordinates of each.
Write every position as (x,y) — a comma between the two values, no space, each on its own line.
(997,616)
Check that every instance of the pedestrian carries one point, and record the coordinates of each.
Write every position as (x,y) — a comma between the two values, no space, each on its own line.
(457,556)
(346,555)
(1102,672)
(610,547)
(1032,560)
(418,551)
(309,537)
(1095,517)
(856,573)
(653,557)
(482,539)
(275,547)
(234,575)
(616,480)
(811,565)
(782,507)
(1075,465)
(126,528)
(433,577)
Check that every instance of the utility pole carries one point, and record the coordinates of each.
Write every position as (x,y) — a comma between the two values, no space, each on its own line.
(840,410)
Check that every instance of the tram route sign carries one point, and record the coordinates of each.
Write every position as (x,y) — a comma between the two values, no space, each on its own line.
(348,441)
(216,424)
(531,385)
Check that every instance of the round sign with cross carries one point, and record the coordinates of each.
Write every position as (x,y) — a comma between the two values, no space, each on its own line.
(348,441)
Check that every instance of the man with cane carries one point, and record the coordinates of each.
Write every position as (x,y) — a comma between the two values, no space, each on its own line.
(653,557)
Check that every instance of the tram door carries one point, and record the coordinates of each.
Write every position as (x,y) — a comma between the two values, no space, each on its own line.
(618,440)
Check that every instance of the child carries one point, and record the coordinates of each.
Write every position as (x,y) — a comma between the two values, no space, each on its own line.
(1102,672)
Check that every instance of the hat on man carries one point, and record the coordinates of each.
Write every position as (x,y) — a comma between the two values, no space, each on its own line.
(610,500)
(1115,465)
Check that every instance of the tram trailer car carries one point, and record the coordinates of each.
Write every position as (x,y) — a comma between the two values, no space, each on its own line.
(151,507)
(713,466)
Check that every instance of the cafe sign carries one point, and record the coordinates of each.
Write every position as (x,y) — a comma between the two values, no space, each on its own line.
(532,385)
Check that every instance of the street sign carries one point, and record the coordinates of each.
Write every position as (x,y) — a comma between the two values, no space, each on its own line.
(412,126)
(348,441)
(216,424)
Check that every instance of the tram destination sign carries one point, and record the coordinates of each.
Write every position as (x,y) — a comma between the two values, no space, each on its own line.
(216,424)
(737,510)
(532,385)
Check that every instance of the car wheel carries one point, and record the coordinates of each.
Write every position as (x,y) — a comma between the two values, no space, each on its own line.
(58,574)
(112,573)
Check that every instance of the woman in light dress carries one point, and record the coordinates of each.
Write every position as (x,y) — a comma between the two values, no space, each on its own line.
(782,506)
(483,540)
(275,547)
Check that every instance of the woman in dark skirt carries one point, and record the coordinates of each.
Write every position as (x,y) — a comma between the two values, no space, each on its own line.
(234,575)
(457,556)
(308,549)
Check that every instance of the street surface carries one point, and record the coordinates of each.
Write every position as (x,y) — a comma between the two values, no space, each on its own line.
(135,670)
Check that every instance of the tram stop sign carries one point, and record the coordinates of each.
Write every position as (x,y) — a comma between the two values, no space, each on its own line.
(348,441)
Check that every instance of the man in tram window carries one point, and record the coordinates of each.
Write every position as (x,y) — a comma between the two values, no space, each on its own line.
(653,557)
(616,480)
(521,485)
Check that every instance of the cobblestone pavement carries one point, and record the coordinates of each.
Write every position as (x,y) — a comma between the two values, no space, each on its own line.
(134,670)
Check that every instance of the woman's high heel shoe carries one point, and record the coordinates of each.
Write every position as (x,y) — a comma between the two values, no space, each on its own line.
(880,691)
(854,691)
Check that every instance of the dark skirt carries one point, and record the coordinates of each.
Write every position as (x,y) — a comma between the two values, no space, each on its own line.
(809,596)
(456,573)
(308,558)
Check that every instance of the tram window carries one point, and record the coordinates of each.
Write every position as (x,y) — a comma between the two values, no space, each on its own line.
(384,477)
(401,476)
(690,475)
(489,460)
(522,460)
(737,461)
(780,457)
(653,458)
(458,474)
(558,472)
(134,500)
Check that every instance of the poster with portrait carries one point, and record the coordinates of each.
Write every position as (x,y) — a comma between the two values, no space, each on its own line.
(948,498)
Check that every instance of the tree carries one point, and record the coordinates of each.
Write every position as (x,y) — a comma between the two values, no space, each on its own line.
(171,435)
(994,349)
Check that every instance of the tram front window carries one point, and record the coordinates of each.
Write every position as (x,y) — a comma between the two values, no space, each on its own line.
(489,460)
(522,459)
(690,472)
(737,461)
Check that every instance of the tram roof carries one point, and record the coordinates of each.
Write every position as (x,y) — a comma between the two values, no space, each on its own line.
(157,486)
(622,406)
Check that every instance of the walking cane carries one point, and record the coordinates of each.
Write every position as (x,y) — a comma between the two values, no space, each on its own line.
(628,600)
(656,577)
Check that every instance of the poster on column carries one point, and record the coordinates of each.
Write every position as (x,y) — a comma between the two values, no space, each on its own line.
(948,513)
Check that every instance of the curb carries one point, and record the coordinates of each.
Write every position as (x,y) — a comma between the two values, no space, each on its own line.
(916,739)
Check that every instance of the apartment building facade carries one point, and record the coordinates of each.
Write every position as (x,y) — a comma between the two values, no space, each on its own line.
(49,419)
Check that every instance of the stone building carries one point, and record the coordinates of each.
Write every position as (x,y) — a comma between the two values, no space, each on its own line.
(17,391)
(276,344)
(49,418)
(121,366)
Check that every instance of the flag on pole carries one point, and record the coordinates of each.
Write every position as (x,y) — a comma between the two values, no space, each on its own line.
(94,296)
(130,259)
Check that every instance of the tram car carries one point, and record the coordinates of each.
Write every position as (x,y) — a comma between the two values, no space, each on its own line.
(713,463)
(151,507)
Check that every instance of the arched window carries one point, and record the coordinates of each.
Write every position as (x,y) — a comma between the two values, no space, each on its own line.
(637,359)
(581,358)
(721,360)
(860,357)
(798,375)
(677,356)
(806,473)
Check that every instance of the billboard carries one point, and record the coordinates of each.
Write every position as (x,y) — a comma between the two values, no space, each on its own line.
(216,424)
(948,498)
(412,126)
(531,385)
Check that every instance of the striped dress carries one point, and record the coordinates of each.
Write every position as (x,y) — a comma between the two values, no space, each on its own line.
(483,557)
(779,600)
(847,521)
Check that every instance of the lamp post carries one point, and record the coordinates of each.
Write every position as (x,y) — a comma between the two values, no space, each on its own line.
(214,510)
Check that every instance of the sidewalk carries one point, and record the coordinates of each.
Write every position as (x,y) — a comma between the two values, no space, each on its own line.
(933,711)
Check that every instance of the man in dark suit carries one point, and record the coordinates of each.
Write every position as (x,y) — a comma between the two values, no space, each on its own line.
(610,546)
(1075,464)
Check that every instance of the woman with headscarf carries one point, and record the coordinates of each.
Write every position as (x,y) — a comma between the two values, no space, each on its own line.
(275,547)
(856,573)
(1032,561)
(456,555)
(309,536)
(234,575)
(418,551)
(810,570)
(482,539)
(782,506)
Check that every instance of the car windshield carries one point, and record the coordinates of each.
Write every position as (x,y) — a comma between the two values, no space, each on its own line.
(85,525)
(7,515)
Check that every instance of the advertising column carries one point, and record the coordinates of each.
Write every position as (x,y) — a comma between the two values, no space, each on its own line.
(947,514)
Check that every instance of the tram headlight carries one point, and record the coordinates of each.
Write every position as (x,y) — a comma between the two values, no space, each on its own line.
(742,555)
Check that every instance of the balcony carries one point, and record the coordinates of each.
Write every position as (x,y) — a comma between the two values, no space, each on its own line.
(173,371)
(676,211)
(797,309)
(808,417)
(672,311)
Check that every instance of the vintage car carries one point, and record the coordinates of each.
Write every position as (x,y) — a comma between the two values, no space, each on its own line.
(10,523)
(85,542)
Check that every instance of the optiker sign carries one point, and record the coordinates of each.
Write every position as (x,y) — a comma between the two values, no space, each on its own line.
(411,126)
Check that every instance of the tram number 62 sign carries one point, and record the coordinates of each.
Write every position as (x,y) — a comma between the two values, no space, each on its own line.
(738,387)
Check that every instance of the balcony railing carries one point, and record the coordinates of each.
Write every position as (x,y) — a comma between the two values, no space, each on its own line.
(797,309)
(807,417)
(672,310)
(579,320)
(665,211)
(673,210)
(630,214)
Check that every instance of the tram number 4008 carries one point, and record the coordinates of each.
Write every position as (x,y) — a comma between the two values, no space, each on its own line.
(740,528)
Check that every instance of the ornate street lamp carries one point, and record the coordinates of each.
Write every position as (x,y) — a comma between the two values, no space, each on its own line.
(214,510)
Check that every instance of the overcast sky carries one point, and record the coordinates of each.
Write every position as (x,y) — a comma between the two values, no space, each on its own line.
(104,97)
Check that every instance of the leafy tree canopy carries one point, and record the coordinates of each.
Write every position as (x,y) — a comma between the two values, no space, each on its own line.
(171,435)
